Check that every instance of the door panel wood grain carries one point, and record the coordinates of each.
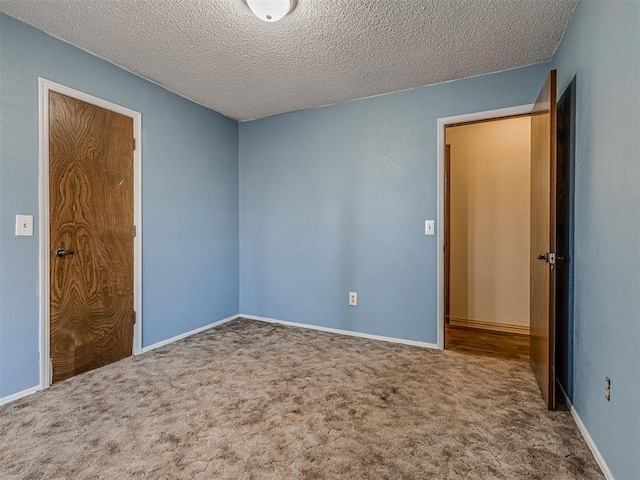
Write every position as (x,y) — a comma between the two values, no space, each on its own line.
(91,214)
(543,238)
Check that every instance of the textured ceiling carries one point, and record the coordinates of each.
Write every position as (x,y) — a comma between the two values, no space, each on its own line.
(326,51)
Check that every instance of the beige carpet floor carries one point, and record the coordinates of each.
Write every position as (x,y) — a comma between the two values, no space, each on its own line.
(251,400)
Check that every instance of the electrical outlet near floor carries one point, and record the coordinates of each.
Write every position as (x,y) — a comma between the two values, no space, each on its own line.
(607,388)
(353,298)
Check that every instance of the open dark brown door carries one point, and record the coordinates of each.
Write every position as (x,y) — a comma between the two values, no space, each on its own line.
(91,235)
(565,200)
(543,238)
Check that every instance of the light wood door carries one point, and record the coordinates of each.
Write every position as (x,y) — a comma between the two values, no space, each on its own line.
(543,238)
(91,236)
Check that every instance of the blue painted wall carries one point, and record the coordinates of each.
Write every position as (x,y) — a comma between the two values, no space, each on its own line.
(190,197)
(602,47)
(334,200)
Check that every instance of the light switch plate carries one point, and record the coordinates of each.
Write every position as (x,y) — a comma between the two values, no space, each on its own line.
(429,227)
(24,225)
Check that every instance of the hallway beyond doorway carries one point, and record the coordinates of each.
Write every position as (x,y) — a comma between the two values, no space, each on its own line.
(487,343)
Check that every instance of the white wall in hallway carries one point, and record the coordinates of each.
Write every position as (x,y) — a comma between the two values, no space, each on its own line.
(490,216)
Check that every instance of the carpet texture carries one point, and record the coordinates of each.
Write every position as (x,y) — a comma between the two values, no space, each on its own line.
(251,400)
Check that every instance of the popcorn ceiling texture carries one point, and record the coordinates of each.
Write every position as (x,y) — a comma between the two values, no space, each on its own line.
(217,53)
(251,400)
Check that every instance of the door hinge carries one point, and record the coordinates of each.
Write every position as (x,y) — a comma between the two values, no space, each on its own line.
(135,317)
(552,258)
(135,231)
(134,143)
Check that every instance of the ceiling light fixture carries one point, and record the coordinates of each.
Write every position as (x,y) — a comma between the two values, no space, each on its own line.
(271,10)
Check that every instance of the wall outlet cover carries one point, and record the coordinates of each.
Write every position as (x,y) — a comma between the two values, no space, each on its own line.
(353,299)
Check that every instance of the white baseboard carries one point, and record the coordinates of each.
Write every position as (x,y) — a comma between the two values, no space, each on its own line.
(188,334)
(592,446)
(585,434)
(492,326)
(29,391)
(583,430)
(18,395)
(342,332)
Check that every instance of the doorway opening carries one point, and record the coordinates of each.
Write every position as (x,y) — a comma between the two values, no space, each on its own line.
(91,267)
(487,237)
(552,156)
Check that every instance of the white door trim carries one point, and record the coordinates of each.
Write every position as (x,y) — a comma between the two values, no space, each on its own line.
(44,87)
(442,124)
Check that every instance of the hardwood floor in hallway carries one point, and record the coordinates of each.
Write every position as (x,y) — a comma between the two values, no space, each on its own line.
(474,341)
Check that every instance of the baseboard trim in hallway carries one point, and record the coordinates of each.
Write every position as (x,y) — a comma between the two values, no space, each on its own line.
(342,332)
(491,326)
(162,343)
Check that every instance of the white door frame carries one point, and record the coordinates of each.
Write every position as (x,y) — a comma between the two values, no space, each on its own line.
(442,124)
(44,87)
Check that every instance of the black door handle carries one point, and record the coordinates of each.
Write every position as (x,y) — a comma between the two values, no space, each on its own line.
(61,252)
(544,257)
